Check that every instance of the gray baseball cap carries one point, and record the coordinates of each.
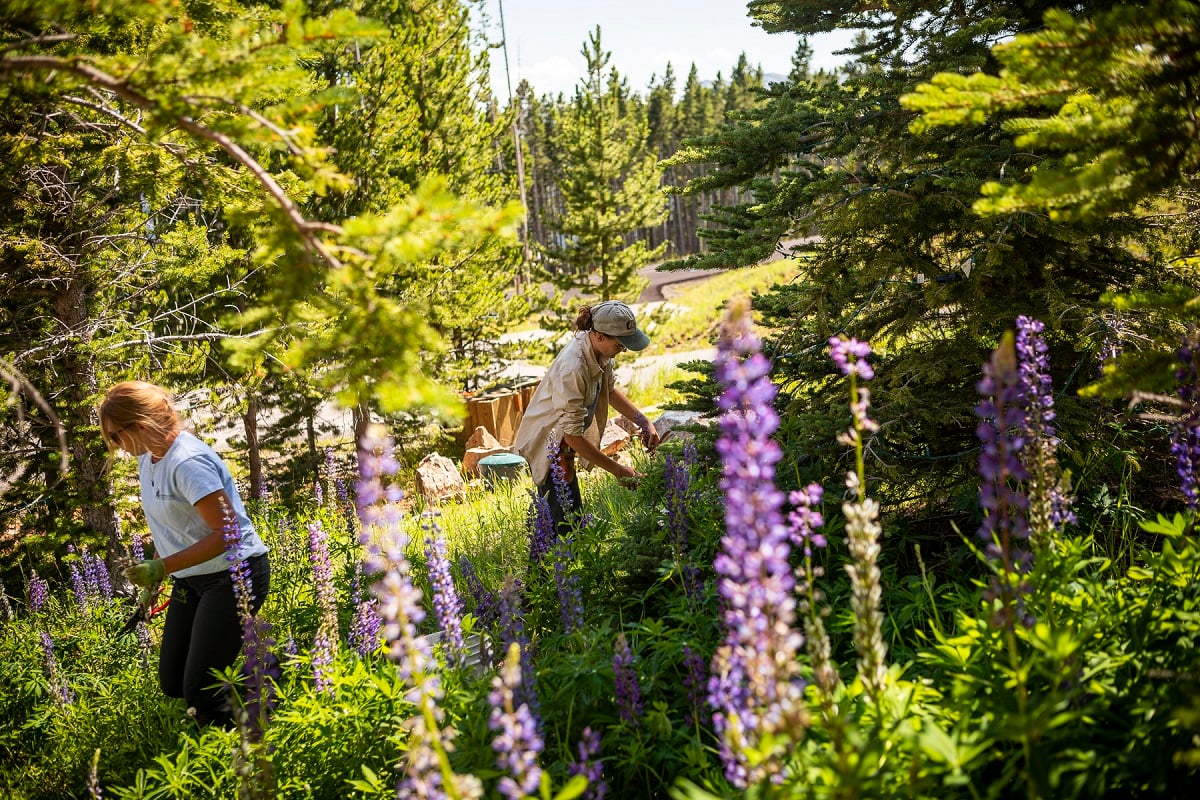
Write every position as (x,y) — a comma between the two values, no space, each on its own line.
(614,318)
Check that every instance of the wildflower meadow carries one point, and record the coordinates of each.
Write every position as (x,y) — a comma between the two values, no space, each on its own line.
(721,631)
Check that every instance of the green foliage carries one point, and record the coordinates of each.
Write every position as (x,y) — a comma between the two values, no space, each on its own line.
(609,184)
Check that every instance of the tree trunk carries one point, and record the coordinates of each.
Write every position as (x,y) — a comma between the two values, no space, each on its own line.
(253,453)
(88,454)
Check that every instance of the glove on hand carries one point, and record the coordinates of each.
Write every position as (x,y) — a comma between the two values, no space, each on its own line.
(146,573)
(146,597)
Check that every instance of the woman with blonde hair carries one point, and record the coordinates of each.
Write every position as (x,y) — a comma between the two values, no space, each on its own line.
(189,499)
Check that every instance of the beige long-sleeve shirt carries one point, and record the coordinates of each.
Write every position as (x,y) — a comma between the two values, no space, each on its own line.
(575,382)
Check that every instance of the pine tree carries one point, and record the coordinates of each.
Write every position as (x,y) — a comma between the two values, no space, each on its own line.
(610,187)
(902,259)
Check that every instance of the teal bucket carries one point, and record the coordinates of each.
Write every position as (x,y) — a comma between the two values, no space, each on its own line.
(501,466)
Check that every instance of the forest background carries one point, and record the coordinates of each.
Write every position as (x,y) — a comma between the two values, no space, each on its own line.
(284,201)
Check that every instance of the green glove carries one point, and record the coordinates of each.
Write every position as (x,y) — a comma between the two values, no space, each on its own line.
(146,597)
(146,573)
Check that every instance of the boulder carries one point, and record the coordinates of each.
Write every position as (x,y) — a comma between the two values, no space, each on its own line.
(614,439)
(471,458)
(483,438)
(670,422)
(438,479)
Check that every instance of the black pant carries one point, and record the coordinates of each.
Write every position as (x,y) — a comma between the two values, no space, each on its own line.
(203,634)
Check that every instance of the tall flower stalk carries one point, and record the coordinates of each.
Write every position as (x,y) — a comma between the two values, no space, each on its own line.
(446,603)
(627,689)
(365,624)
(428,771)
(589,765)
(517,742)
(58,685)
(1185,436)
(1049,502)
(755,687)
(326,643)
(570,596)
(862,522)
(1005,525)
(252,763)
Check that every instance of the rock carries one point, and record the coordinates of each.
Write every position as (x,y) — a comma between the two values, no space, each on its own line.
(627,425)
(438,479)
(669,423)
(483,438)
(614,439)
(471,458)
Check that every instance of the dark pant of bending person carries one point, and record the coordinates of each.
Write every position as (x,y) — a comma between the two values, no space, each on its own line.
(203,635)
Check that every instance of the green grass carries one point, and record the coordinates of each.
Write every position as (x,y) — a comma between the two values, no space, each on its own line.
(695,325)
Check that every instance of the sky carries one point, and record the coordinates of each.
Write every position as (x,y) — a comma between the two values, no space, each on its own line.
(545,38)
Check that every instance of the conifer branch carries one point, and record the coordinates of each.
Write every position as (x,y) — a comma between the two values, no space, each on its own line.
(306,229)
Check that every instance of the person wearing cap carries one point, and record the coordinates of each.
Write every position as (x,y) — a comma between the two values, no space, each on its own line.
(569,409)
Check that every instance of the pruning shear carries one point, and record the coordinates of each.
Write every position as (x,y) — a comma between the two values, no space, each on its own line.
(145,613)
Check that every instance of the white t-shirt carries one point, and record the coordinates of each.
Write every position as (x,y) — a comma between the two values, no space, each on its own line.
(190,470)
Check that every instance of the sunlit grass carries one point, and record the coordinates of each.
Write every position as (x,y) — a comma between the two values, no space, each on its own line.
(697,309)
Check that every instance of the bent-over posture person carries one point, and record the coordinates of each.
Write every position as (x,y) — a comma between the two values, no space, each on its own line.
(187,495)
(569,408)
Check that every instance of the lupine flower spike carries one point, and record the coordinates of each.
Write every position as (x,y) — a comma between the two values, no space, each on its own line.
(427,772)
(1004,505)
(806,519)
(625,679)
(1185,437)
(446,603)
(755,686)
(517,742)
(260,668)
(590,766)
(1049,503)
(570,597)
(326,642)
(862,521)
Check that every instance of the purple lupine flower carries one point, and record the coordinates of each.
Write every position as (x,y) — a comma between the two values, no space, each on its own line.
(542,533)
(95,573)
(290,649)
(326,641)
(260,668)
(862,522)
(558,474)
(446,603)
(1185,435)
(1004,505)
(755,688)
(695,678)
(318,493)
(39,592)
(487,604)
(384,542)
(589,765)
(850,357)
(512,631)
(628,691)
(677,480)
(570,597)
(805,518)
(58,686)
(78,584)
(517,742)
(365,624)
(1049,504)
